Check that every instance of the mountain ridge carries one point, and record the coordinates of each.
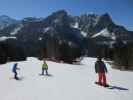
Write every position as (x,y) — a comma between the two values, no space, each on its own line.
(60,28)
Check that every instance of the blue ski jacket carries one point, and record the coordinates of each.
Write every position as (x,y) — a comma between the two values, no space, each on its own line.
(14,68)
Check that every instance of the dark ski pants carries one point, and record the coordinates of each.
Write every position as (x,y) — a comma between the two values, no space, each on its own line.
(15,75)
(46,71)
(102,79)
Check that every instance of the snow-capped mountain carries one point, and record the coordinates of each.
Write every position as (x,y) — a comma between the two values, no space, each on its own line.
(6,21)
(86,25)
(35,33)
(57,23)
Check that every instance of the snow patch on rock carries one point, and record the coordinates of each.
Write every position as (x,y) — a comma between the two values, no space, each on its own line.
(40,38)
(83,33)
(105,33)
(15,31)
(3,38)
(46,29)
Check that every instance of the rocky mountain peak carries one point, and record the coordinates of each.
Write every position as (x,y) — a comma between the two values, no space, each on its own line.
(106,18)
(6,21)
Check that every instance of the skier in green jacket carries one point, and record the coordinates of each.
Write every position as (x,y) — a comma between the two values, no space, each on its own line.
(44,67)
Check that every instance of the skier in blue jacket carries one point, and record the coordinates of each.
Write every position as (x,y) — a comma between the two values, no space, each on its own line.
(14,70)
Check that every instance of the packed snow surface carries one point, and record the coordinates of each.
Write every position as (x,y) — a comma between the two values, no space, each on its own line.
(67,82)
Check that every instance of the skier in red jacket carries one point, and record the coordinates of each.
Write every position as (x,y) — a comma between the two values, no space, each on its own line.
(101,69)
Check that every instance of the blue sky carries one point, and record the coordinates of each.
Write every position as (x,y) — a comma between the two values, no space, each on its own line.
(121,11)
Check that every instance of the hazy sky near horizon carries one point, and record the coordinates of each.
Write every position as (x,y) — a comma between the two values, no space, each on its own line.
(121,11)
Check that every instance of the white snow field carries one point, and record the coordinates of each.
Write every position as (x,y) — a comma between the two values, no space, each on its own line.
(67,82)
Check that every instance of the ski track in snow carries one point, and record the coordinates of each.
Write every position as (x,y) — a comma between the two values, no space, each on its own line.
(67,82)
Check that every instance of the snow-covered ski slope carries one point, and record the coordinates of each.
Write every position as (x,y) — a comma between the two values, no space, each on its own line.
(67,82)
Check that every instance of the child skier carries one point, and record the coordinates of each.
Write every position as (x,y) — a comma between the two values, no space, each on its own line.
(14,70)
(44,67)
(101,69)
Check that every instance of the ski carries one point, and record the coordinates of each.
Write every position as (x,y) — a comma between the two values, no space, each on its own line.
(106,86)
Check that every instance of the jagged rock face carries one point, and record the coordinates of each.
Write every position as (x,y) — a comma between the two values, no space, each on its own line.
(92,23)
(32,32)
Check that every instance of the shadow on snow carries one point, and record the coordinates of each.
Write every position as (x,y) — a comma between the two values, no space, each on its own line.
(118,88)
